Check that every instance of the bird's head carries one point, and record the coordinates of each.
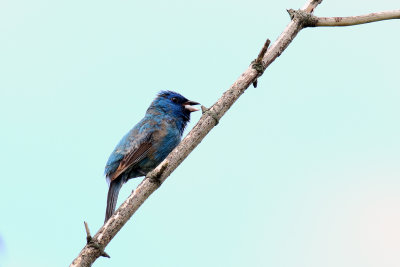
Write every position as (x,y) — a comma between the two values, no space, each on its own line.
(174,104)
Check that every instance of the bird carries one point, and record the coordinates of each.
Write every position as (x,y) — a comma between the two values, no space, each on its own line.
(148,143)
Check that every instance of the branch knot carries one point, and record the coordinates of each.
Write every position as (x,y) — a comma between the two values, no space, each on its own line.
(212,114)
(306,19)
(258,66)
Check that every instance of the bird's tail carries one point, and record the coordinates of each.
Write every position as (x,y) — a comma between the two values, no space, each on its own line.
(112,196)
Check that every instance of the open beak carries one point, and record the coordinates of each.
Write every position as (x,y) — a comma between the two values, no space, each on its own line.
(189,105)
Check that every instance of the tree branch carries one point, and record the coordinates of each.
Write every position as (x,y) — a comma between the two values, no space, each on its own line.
(310,20)
(208,120)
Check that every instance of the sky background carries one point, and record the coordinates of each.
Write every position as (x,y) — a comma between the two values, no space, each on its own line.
(302,171)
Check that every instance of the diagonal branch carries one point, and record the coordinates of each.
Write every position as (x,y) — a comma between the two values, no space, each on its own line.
(209,119)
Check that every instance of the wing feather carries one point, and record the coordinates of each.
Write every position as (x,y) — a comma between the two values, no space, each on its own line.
(131,159)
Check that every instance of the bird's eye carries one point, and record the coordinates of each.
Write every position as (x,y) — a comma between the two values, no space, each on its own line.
(174,99)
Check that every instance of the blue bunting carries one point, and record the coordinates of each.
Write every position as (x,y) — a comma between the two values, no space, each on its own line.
(148,143)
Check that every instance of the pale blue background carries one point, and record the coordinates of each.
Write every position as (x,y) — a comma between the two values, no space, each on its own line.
(303,171)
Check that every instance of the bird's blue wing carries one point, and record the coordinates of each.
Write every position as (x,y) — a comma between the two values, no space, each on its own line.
(131,159)
(132,148)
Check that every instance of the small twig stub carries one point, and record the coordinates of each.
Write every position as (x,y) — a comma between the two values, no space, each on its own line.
(91,243)
(258,64)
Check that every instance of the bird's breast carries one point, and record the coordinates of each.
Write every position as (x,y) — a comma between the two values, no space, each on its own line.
(165,140)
